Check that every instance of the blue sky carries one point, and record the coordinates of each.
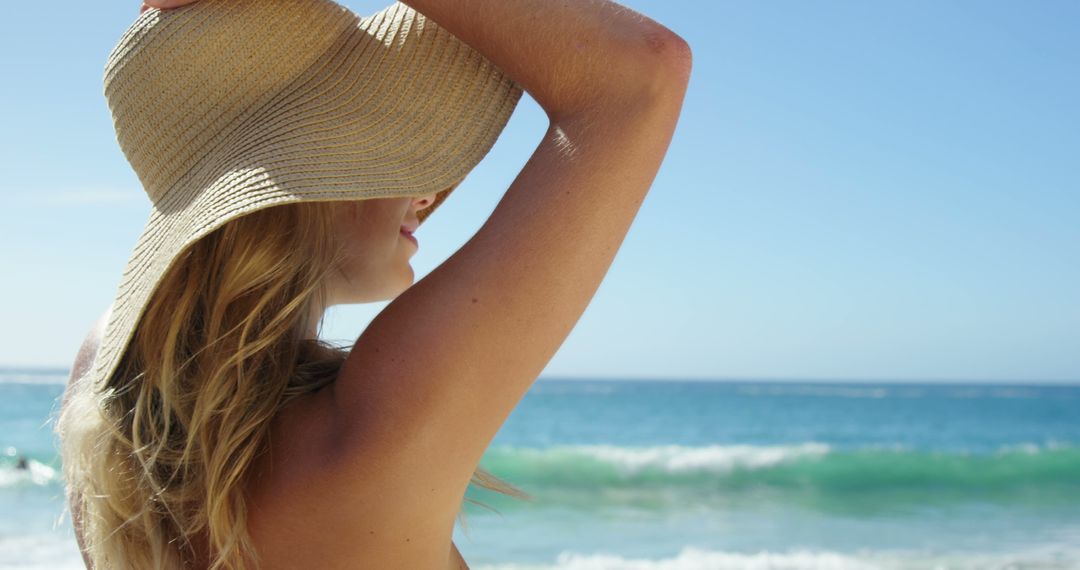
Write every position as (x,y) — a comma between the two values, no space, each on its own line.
(856,191)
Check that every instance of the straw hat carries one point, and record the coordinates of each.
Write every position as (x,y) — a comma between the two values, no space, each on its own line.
(224,107)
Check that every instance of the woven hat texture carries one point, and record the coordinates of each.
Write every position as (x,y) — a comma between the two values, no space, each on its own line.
(224,107)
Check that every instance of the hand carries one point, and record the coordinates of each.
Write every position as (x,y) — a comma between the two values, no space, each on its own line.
(164,4)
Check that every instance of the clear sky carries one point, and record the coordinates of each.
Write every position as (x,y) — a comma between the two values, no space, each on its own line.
(856,191)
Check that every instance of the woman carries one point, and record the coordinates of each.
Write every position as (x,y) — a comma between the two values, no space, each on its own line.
(232,438)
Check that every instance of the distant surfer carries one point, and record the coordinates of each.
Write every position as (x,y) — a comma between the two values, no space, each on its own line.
(22,464)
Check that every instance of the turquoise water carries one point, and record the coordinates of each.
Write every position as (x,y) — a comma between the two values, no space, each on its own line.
(694,475)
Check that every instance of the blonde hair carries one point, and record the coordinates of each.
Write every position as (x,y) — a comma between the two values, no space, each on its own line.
(157,456)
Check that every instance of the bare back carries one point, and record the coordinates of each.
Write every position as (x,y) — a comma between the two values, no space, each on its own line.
(286,531)
(296,523)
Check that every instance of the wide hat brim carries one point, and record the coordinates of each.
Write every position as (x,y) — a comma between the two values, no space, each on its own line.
(391,105)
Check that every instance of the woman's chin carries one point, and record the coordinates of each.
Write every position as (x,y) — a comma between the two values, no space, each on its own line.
(410,276)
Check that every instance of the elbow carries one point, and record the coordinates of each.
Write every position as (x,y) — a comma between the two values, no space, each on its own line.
(683,57)
(669,75)
(649,66)
(670,49)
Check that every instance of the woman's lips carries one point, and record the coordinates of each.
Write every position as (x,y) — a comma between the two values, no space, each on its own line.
(410,238)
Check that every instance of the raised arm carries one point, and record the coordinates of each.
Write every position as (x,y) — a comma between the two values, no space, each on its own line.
(570,56)
(434,376)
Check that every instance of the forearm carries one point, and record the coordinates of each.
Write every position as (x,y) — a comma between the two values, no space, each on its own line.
(568,54)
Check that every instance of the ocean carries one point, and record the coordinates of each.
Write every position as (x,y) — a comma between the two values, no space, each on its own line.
(644,475)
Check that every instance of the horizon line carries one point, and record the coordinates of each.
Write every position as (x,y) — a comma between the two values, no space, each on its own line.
(52,370)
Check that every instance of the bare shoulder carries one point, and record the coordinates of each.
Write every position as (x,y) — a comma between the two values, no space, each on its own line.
(304,512)
(83,360)
(88,349)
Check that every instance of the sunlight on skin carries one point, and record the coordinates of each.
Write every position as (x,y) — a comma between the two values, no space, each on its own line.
(164,4)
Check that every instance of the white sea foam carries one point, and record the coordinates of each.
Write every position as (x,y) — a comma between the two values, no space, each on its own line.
(36,473)
(713,458)
(40,552)
(691,558)
(829,390)
(1033,448)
